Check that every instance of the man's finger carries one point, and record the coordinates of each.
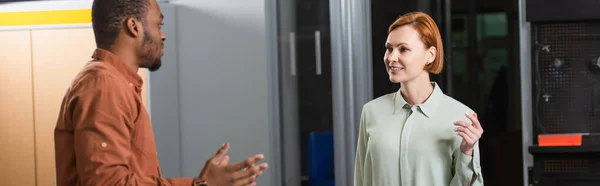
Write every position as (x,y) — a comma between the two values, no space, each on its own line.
(246,163)
(246,181)
(263,167)
(248,177)
(225,160)
(246,173)
(254,170)
(222,151)
(251,174)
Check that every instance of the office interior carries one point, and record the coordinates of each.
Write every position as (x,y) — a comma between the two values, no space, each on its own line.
(288,78)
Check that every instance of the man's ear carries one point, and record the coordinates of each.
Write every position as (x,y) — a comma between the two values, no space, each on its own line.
(133,27)
(431,54)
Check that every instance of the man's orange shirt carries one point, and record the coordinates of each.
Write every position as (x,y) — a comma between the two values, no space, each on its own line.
(103,135)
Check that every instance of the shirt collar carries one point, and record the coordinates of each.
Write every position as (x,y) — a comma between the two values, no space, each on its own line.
(427,108)
(120,65)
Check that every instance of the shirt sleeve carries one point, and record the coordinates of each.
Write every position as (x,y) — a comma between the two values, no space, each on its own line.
(361,148)
(103,125)
(467,169)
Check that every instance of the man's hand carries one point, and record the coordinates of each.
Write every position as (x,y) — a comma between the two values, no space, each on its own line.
(470,133)
(217,172)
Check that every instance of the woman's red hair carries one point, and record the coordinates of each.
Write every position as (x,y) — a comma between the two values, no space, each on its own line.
(430,36)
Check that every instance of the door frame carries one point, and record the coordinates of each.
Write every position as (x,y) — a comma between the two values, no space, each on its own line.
(351,79)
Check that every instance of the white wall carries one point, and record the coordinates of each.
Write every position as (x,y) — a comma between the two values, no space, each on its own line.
(164,93)
(224,93)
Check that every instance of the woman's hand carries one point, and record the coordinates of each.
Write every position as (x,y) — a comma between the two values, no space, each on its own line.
(470,133)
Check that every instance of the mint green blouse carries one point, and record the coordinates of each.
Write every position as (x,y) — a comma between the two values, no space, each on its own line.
(404,145)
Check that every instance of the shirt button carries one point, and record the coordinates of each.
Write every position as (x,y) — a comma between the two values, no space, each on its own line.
(103,144)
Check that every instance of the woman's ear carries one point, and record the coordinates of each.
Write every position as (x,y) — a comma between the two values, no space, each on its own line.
(431,54)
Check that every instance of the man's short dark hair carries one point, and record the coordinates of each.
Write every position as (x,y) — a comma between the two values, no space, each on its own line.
(108,17)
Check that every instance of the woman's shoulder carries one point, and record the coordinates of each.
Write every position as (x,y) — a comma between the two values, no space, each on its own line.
(380,105)
(451,104)
(386,100)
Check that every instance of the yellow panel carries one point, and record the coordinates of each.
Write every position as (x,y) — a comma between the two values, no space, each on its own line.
(17,156)
(79,16)
(58,55)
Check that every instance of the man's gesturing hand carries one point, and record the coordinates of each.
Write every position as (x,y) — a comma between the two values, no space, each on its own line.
(217,172)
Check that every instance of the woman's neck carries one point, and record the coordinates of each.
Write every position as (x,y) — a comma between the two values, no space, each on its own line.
(417,90)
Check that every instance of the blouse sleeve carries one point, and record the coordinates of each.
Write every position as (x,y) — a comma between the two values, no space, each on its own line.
(361,148)
(467,169)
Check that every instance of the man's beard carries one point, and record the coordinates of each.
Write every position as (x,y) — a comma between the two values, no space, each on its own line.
(150,50)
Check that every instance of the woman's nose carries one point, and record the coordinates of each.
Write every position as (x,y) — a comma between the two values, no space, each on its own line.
(393,57)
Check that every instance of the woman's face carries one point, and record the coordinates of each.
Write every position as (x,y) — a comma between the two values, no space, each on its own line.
(406,55)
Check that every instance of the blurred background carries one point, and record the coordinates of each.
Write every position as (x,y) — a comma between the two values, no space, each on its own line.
(288,78)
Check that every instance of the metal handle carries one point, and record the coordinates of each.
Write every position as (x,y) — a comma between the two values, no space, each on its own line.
(293,53)
(318,51)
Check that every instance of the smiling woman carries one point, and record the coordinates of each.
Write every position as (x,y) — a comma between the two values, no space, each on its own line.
(42,51)
(418,135)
